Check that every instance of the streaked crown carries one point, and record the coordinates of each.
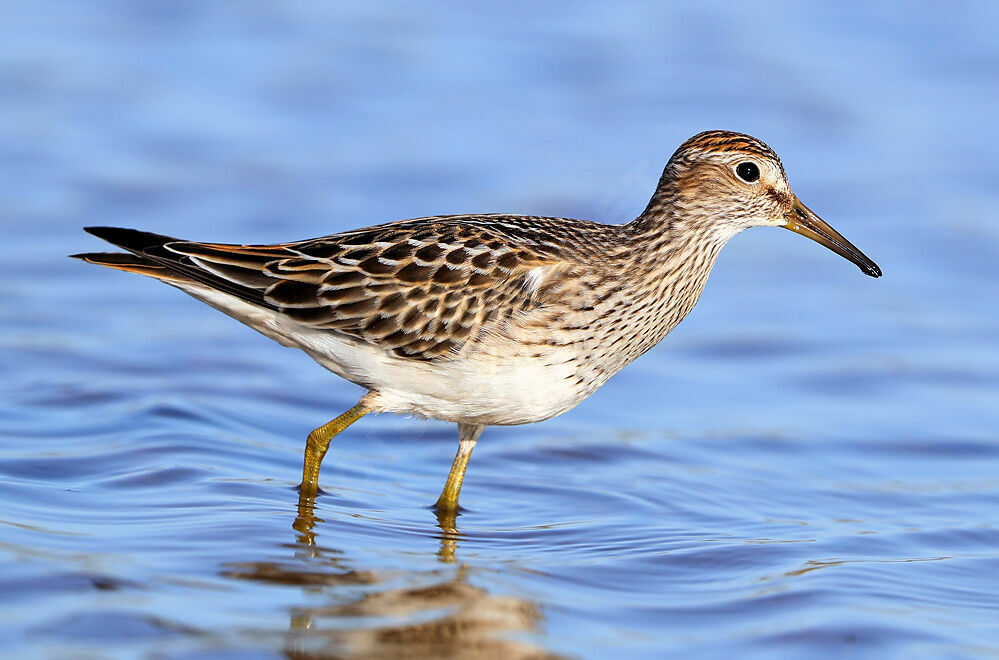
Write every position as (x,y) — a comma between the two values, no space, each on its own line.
(725,182)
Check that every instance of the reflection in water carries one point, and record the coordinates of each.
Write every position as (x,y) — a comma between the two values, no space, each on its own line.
(447,520)
(305,522)
(447,618)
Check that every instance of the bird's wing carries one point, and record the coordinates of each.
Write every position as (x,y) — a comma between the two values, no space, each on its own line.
(419,288)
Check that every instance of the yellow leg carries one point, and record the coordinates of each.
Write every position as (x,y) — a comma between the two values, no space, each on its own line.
(468,434)
(319,442)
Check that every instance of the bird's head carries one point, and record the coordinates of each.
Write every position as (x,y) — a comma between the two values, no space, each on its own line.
(727,182)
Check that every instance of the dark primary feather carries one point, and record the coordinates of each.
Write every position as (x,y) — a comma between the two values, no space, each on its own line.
(153,251)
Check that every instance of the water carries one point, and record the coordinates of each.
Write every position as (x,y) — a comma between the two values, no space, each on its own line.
(808,465)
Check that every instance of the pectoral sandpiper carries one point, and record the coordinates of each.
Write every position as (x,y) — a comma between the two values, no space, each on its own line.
(488,319)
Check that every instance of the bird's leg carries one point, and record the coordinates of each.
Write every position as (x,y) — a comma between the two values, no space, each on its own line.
(468,434)
(319,442)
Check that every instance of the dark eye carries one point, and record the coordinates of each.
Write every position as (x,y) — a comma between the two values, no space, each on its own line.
(748,172)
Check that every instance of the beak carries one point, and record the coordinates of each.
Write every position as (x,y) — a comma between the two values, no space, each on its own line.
(801,220)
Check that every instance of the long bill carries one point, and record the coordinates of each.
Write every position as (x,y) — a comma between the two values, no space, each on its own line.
(802,221)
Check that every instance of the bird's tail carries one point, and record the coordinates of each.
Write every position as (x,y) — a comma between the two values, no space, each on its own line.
(132,264)
(136,260)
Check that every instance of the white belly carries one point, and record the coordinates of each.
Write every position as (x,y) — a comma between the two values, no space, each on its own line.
(482,389)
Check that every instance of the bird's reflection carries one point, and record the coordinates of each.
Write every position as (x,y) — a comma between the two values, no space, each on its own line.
(306,520)
(448,523)
(369,615)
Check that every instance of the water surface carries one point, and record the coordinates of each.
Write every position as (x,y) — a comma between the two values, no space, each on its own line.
(808,465)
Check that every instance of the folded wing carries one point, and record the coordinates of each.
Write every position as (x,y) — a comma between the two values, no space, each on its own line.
(419,288)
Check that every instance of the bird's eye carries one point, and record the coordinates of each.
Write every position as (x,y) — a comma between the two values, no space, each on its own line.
(748,171)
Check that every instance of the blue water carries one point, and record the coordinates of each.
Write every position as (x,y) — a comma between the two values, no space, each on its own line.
(807,466)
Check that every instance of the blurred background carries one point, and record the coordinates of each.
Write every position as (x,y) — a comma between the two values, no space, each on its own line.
(809,462)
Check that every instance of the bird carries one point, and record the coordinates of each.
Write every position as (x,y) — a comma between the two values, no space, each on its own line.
(488,319)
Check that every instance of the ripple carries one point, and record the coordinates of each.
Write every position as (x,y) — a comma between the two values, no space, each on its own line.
(806,467)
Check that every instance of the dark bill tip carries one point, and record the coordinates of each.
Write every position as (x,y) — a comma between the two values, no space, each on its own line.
(872,269)
(802,220)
